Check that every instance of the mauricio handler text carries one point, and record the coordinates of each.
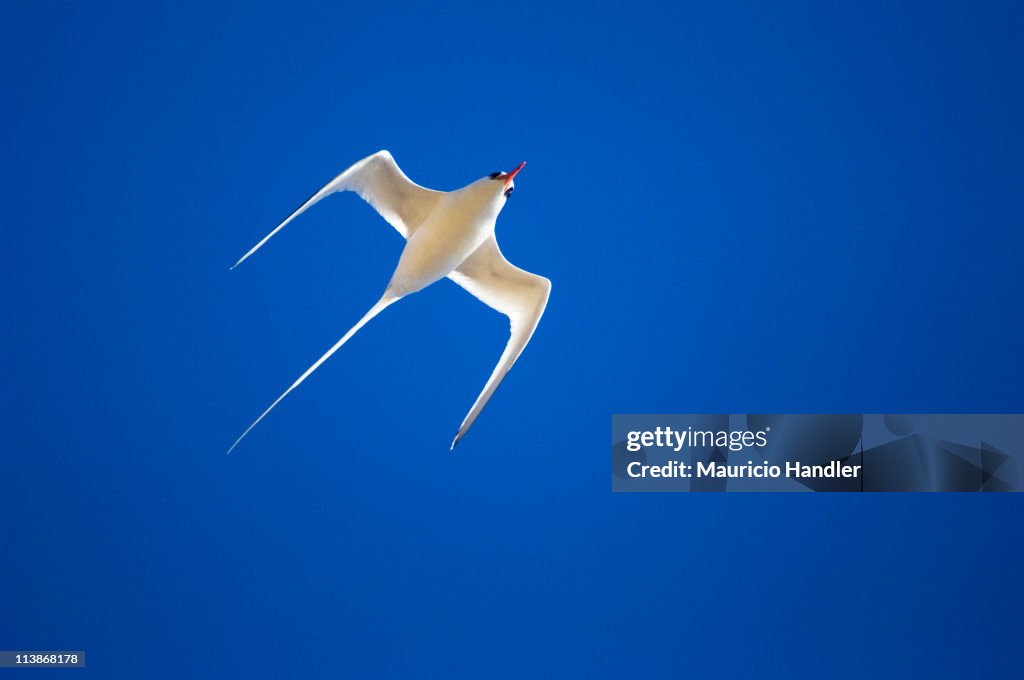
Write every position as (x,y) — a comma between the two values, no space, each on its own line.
(763,470)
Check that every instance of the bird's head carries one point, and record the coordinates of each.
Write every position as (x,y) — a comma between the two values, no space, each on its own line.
(501,182)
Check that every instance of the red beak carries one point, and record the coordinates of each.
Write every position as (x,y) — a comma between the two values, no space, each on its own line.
(511,175)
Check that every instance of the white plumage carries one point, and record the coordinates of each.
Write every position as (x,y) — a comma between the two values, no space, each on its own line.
(448,234)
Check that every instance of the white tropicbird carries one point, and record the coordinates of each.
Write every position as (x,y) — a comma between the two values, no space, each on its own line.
(447,233)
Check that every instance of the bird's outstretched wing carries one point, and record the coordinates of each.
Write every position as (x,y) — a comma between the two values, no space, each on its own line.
(518,294)
(382,184)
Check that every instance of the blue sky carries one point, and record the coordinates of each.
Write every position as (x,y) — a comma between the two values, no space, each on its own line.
(741,208)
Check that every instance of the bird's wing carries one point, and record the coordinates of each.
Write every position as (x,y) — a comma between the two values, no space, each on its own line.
(380,182)
(518,294)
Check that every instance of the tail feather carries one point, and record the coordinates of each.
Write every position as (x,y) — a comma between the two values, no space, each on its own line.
(387,300)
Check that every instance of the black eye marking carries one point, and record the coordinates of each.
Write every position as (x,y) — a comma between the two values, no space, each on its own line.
(508,192)
(494,175)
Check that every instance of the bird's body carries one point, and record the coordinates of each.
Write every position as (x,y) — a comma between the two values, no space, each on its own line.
(460,222)
(448,234)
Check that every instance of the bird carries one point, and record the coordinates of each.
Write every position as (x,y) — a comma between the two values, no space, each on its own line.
(448,234)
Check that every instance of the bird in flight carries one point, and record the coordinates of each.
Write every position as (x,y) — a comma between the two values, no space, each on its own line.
(447,234)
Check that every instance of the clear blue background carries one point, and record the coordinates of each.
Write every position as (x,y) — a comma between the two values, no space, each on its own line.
(806,208)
